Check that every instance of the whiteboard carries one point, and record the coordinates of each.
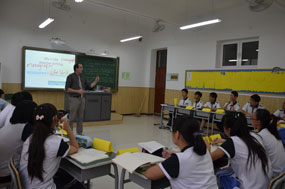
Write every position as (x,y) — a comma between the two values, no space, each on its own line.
(246,80)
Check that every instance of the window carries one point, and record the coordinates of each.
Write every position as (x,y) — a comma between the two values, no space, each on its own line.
(238,53)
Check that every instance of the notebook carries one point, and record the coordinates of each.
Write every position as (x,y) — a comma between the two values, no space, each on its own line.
(85,156)
(132,161)
(151,146)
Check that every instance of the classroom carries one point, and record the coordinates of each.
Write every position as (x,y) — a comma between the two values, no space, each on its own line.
(132,93)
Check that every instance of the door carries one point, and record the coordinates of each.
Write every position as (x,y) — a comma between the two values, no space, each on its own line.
(160,78)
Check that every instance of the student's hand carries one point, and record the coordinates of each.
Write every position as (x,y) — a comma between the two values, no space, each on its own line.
(66,125)
(167,153)
(208,145)
(217,141)
(81,91)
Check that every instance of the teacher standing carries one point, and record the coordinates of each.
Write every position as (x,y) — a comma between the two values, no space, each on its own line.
(75,86)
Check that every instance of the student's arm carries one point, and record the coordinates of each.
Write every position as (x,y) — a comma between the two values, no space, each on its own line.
(217,154)
(244,110)
(154,173)
(227,148)
(72,141)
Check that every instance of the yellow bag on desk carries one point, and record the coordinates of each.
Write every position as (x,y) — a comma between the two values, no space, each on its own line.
(206,110)
(207,138)
(122,151)
(102,145)
(220,111)
(189,107)
(214,137)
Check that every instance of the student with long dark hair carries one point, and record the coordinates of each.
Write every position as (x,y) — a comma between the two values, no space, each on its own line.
(190,168)
(43,151)
(13,135)
(7,112)
(247,155)
(267,126)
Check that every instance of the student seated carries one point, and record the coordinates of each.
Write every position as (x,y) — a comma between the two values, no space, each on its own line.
(185,101)
(250,107)
(280,114)
(213,104)
(190,168)
(272,142)
(7,112)
(42,151)
(232,105)
(198,103)
(245,150)
(14,134)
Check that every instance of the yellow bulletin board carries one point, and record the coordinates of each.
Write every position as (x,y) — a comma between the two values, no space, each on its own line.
(251,80)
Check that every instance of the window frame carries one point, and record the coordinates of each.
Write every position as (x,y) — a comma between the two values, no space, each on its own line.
(239,53)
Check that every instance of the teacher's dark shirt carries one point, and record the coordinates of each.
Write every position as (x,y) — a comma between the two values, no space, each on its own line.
(72,82)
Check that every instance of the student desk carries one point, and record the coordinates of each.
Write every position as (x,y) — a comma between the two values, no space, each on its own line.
(171,109)
(203,115)
(142,181)
(85,172)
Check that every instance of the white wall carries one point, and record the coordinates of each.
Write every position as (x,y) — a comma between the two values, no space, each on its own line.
(100,29)
(82,30)
(196,49)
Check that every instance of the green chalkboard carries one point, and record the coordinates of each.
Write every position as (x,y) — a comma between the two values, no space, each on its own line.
(106,68)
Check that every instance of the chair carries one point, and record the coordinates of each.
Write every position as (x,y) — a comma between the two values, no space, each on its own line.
(16,181)
(278,182)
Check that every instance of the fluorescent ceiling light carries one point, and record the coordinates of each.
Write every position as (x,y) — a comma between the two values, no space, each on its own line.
(79,1)
(46,22)
(200,24)
(244,60)
(130,39)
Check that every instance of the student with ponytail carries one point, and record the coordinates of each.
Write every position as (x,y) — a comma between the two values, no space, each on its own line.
(246,153)
(190,168)
(43,151)
(267,127)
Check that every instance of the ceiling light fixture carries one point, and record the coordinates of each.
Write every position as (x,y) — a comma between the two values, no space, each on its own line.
(46,22)
(130,39)
(79,1)
(199,24)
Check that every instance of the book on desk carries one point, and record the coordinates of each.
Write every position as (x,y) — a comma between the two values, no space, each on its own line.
(132,161)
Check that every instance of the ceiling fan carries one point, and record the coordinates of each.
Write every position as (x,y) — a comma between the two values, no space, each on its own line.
(61,4)
(259,5)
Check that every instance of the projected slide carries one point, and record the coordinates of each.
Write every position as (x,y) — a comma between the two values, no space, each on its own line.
(47,69)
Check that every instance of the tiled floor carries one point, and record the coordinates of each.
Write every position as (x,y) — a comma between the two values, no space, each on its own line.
(126,135)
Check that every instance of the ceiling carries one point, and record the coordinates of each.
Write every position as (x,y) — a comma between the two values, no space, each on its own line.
(173,11)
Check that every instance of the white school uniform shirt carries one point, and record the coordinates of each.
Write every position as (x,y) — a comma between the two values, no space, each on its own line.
(6,114)
(186,102)
(249,109)
(216,105)
(279,113)
(189,170)
(55,149)
(249,176)
(12,137)
(236,106)
(198,105)
(275,151)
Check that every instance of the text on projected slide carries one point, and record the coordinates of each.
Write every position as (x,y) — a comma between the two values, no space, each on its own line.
(47,69)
